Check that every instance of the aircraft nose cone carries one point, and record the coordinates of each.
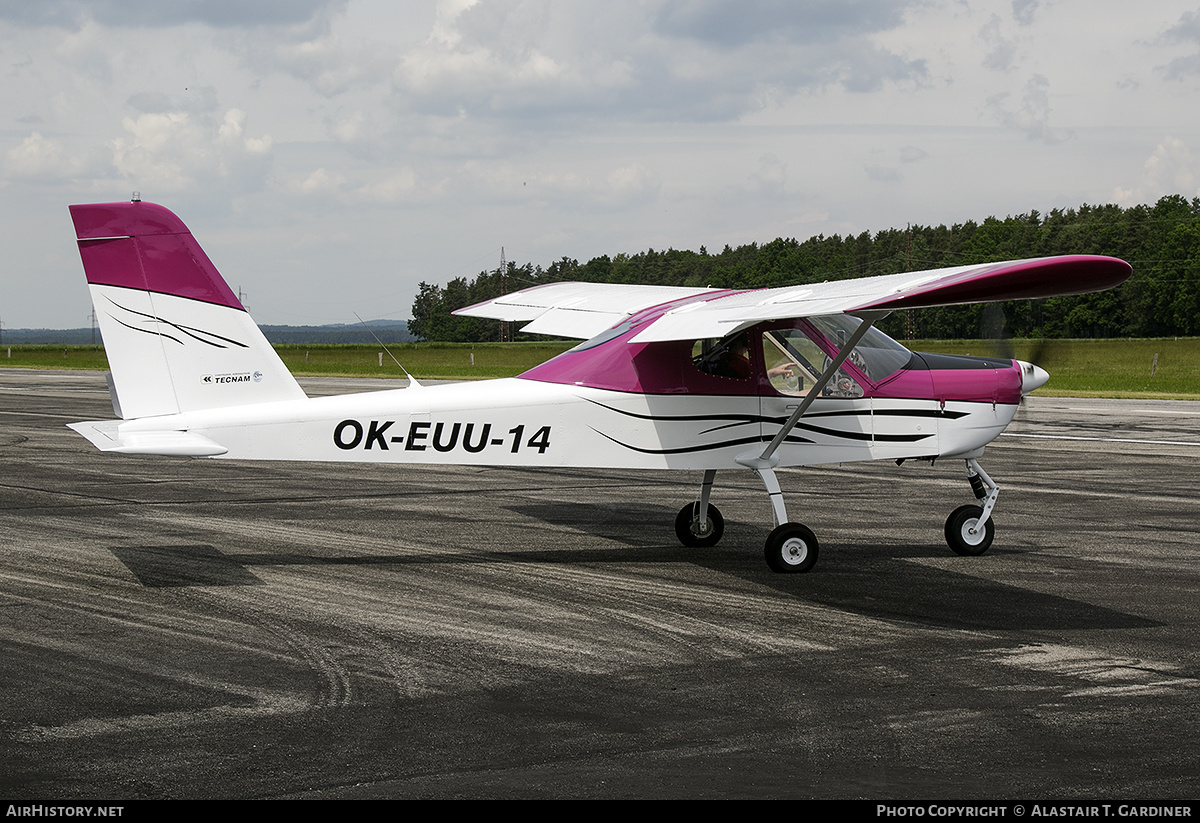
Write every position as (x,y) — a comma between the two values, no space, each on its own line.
(1032,377)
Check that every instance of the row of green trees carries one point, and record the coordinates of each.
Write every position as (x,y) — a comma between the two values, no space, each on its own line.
(1161,299)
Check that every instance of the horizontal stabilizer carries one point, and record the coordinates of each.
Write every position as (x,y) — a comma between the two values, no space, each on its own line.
(107,437)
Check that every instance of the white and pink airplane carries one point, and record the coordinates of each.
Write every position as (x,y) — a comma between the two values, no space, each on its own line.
(666,378)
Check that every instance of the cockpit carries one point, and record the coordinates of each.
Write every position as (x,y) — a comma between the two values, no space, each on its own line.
(792,355)
(780,358)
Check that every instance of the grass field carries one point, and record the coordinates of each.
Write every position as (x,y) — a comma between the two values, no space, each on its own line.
(452,361)
(1157,368)
(1153,368)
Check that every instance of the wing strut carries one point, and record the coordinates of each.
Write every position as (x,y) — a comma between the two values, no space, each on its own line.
(767,459)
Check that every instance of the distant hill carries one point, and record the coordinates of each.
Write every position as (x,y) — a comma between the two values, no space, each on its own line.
(389,331)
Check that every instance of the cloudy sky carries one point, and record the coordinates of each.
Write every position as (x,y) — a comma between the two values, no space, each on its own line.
(331,154)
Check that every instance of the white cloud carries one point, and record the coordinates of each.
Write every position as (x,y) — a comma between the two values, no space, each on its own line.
(175,151)
(39,158)
(1187,32)
(90,52)
(883,174)
(628,185)
(395,187)
(1033,115)
(327,62)
(503,58)
(320,182)
(770,178)
(1169,170)
(350,128)
(606,189)
(659,60)
(1001,50)
(1024,11)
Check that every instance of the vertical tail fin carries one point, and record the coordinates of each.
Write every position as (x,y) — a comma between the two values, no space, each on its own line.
(176,336)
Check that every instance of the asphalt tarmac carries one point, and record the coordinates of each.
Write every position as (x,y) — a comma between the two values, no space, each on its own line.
(174,628)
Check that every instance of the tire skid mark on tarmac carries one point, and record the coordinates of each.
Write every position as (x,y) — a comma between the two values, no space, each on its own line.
(633,603)
(1106,676)
(336,684)
(97,726)
(114,643)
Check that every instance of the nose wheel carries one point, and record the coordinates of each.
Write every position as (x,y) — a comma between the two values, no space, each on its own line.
(965,534)
(792,549)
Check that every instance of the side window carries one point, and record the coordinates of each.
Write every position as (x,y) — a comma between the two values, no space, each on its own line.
(794,363)
(728,357)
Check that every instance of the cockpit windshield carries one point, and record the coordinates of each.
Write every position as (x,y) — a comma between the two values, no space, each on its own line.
(795,356)
(876,354)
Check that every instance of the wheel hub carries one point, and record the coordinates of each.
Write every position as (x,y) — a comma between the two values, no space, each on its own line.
(795,551)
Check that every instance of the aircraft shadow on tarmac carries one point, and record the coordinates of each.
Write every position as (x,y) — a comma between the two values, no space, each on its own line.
(167,566)
(880,582)
(872,580)
(620,522)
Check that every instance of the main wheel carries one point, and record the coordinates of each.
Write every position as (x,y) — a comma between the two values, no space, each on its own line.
(963,534)
(791,549)
(687,526)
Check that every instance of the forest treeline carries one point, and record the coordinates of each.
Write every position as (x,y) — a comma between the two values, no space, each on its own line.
(1161,299)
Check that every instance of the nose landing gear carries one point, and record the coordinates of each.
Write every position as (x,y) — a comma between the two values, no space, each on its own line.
(970,529)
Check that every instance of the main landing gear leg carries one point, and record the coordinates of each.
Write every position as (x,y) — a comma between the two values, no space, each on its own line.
(970,529)
(700,524)
(792,547)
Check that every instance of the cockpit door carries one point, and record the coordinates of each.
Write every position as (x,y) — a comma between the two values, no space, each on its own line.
(881,404)
(837,426)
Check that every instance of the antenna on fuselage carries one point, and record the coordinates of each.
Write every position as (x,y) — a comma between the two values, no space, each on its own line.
(505,331)
(412,381)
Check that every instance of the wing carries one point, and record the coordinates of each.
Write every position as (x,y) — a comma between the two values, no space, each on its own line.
(711,313)
(579,310)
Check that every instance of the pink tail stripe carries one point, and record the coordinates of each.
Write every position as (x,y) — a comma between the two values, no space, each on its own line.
(144,246)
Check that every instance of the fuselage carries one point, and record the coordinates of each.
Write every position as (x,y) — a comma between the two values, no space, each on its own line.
(620,405)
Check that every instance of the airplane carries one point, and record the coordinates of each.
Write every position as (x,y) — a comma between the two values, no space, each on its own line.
(695,379)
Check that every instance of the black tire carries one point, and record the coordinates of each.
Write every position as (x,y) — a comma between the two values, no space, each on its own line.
(792,549)
(958,531)
(687,526)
